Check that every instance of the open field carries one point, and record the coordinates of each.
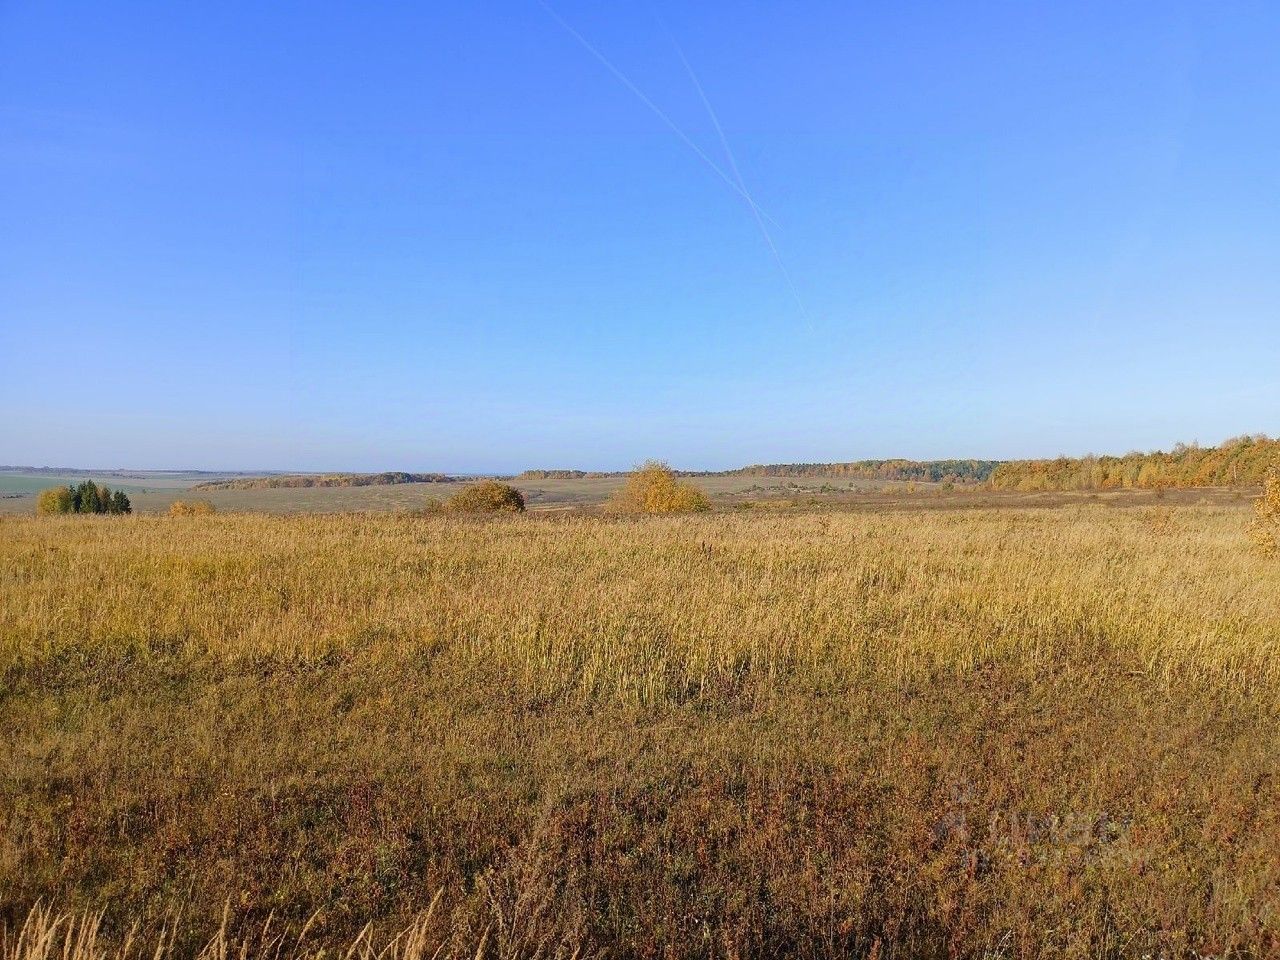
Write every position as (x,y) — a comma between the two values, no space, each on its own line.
(588,493)
(18,487)
(908,732)
(554,494)
(540,494)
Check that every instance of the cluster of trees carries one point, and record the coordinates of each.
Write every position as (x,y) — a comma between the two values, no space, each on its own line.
(566,474)
(1240,461)
(324,480)
(926,471)
(86,497)
(923,471)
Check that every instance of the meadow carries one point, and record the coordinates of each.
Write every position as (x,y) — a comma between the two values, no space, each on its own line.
(543,494)
(19,485)
(1002,730)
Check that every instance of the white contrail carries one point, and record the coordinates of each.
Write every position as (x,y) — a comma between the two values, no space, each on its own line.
(742,186)
(661,114)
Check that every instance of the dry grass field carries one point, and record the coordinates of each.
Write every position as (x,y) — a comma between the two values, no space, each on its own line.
(978,732)
(589,494)
(541,495)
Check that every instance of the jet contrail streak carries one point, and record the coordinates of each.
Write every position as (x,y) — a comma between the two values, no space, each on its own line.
(742,186)
(659,112)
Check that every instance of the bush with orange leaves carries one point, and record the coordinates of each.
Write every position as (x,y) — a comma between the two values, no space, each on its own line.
(191,508)
(486,496)
(1266,525)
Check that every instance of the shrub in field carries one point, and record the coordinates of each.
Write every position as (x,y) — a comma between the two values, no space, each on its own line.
(1266,525)
(653,488)
(86,497)
(487,496)
(191,508)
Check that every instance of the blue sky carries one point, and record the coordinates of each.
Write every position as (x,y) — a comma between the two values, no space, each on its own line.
(445,236)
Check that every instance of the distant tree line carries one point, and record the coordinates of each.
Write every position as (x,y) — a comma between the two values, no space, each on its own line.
(1240,461)
(923,471)
(86,497)
(569,474)
(325,480)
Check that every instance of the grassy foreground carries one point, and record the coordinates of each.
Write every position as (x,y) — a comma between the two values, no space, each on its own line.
(979,733)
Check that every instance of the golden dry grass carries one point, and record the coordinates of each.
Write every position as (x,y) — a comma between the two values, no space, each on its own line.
(659,609)
(1019,732)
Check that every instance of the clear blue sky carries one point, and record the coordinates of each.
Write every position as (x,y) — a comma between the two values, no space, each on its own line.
(445,236)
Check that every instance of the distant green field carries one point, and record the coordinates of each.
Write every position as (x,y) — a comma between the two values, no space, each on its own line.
(29,483)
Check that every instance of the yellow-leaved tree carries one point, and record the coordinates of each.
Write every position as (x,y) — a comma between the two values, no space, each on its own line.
(55,500)
(653,488)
